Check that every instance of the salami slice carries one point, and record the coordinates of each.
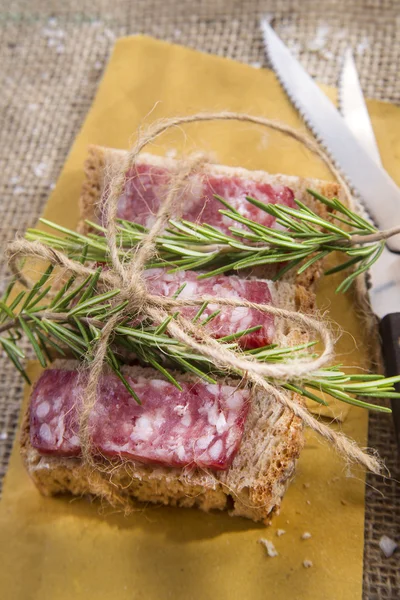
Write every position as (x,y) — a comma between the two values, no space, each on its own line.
(229,320)
(201,425)
(147,186)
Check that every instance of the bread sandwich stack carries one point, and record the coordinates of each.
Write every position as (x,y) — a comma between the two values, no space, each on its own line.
(211,446)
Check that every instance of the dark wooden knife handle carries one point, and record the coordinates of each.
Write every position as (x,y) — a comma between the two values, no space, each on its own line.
(390,336)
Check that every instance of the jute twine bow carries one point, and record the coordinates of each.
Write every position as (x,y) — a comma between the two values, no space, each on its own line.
(128,277)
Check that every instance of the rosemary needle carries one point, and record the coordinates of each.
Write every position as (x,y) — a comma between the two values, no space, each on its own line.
(306,237)
(69,326)
(71,320)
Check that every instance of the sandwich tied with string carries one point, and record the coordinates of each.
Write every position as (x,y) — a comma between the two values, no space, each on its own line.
(126,288)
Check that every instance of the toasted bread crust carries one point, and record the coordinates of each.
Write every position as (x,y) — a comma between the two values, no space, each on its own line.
(92,185)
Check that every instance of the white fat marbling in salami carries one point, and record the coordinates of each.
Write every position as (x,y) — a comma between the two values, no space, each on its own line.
(202,425)
(147,186)
(229,320)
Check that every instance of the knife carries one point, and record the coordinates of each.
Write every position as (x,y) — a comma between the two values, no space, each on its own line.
(376,188)
(355,152)
(353,108)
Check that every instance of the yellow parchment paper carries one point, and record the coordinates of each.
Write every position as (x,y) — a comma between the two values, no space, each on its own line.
(58,549)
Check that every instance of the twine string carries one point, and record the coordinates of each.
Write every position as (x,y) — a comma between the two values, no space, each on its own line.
(128,277)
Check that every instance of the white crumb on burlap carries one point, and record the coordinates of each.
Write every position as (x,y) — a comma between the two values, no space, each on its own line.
(53,33)
(280,532)
(295,47)
(307,564)
(320,44)
(363,45)
(306,535)
(40,169)
(320,39)
(54,38)
(387,545)
(109,34)
(269,546)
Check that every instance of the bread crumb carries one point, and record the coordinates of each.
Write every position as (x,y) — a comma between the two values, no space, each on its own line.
(269,546)
(344,502)
(280,532)
(306,485)
(306,535)
(387,545)
(307,564)
(308,502)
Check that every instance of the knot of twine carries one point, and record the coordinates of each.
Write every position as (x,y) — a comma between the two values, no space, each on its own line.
(127,275)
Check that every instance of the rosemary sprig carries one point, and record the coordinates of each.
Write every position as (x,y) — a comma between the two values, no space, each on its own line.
(305,238)
(71,321)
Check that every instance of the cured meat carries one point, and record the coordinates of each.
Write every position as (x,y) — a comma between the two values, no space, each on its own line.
(147,186)
(201,425)
(229,320)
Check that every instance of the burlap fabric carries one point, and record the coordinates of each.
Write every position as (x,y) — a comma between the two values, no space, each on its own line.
(52,57)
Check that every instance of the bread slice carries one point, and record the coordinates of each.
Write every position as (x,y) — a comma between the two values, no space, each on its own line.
(103,162)
(252,487)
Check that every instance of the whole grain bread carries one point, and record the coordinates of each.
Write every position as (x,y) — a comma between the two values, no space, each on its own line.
(257,479)
(102,163)
(252,487)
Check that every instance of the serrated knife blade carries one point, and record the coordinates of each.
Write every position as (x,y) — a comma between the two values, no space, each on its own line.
(375,187)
